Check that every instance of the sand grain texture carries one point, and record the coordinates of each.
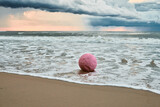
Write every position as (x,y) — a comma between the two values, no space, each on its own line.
(27,91)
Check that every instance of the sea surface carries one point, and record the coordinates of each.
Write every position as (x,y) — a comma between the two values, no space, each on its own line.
(55,55)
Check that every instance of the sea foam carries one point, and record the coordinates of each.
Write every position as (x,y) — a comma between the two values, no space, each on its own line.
(55,55)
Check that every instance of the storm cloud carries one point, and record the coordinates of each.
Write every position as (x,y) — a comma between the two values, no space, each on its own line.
(116,22)
(112,8)
(103,12)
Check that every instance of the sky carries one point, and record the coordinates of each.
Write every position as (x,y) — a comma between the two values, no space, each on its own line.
(79,15)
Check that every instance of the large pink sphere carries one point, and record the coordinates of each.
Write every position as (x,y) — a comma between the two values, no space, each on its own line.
(87,62)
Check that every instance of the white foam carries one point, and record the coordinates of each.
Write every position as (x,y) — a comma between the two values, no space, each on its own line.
(57,58)
(84,39)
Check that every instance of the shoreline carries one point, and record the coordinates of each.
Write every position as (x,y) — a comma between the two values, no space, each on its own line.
(22,90)
(92,84)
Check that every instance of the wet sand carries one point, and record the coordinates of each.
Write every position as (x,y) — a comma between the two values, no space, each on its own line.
(27,91)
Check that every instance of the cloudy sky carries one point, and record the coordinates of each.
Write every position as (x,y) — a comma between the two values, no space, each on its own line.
(79,15)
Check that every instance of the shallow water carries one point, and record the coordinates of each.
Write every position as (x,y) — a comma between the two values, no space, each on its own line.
(55,55)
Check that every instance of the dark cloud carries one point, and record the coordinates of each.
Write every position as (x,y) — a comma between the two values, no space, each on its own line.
(42,6)
(106,22)
(104,8)
(31,4)
(117,22)
(113,12)
(76,7)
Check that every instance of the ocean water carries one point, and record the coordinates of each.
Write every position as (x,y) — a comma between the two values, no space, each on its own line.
(55,55)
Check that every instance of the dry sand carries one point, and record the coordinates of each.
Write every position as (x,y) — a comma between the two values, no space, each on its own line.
(27,91)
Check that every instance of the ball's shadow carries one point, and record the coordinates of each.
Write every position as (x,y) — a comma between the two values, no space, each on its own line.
(85,72)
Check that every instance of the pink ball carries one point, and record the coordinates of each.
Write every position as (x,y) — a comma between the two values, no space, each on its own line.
(87,62)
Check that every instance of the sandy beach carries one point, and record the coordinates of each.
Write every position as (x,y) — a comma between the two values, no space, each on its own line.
(27,91)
